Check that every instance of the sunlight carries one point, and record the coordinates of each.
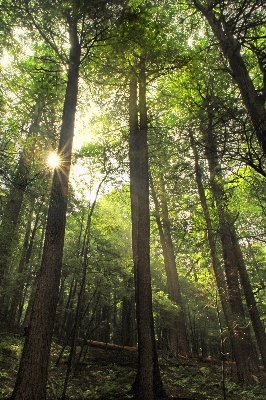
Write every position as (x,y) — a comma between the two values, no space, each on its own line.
(53,160)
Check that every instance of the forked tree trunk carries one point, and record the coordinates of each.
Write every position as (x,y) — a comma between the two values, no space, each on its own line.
(33,369)
(148,384)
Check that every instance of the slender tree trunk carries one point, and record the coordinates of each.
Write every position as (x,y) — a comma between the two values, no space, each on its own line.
(9,225)
(74,333)
(65,324)
(247,363)
(80,303)
(26,320)
(33,369)
(231,49)
(27,260)
(240,355)
(148,384)
(178,335)
(127,335)
(20,279)
(250,299)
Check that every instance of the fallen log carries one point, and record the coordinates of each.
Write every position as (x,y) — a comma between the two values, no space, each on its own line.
(104,345)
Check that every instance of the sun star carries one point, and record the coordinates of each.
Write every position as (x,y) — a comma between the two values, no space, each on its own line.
(53,160)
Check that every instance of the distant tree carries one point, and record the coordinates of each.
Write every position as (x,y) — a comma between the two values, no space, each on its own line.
(37,98)
(178,336)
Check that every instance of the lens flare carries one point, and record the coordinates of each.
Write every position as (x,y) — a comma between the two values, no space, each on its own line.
(53,160)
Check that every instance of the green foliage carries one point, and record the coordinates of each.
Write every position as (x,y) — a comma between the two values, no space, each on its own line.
(164,309)
(110,374)
(9,346)
(188,90)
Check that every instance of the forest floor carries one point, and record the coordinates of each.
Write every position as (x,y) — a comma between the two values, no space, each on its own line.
(108,374)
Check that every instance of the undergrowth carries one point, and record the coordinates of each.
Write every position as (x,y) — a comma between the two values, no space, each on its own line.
(109,374)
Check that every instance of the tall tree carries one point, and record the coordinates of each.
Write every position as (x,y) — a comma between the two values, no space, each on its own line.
(148,382)
(229,254)
(33,369)
(85,24)
(223,290)
(9,223)
(237,27)
(34,95)
(178,336)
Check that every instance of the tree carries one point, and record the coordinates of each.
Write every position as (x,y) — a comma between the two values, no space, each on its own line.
(36,103)
(178,337)
(32,374)
(231,27)
(9,223)
(224,115)
(137,71)
(148,382)
(31,381)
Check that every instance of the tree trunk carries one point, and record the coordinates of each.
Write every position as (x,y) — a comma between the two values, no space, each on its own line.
(40,219)
(237,346)
(246,361)
(20,278)
(27,260)
(128,336)
(80,299)
(178,335)
(148,384)
(66,321)
(8,229)
(33,369)
(231,49)
(250,299)
(108,346)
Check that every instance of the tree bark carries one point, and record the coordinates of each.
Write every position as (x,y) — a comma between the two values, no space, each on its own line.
(8,229)
(20,278)
(33,369)
(246,361)
(231,49)
(108,346)
(178,336)
(250,299)
(148,384)
(243,371)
